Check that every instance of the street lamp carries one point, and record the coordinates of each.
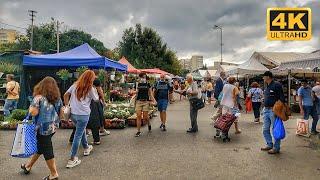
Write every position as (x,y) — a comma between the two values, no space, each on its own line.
(220,28)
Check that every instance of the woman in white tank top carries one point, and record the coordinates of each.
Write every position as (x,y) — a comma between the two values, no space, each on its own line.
(229,99)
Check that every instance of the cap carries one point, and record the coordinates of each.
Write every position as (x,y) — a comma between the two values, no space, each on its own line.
(268,73)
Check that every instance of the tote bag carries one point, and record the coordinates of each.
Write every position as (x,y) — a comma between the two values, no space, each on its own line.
(25,140)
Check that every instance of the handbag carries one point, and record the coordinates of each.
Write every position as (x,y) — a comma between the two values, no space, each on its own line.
(279,131)
(248,103)
(25,140)
(67,112)
(197,103)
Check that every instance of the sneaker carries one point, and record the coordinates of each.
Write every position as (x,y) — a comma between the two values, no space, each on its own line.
(164,128)
(314,132)
(149,127)
(161,126)
(104,133)
(73,163)
(138,134)
(88,150)
(257,121)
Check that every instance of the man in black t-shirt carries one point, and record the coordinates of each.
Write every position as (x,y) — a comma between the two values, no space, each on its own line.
(162,89)
(143,97)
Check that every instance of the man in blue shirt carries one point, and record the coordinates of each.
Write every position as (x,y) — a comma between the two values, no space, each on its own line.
(273,92)
(307,107)
(161,92)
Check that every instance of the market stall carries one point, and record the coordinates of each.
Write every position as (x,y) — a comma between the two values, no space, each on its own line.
(36,67)
(306,67)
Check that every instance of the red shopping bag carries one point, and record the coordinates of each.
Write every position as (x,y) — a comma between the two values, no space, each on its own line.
(248,104)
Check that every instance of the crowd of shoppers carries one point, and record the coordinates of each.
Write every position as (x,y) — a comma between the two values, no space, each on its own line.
(85,99)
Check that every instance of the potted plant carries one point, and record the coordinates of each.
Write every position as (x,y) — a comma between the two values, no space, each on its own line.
(118,76)
(63,74)
(79,71)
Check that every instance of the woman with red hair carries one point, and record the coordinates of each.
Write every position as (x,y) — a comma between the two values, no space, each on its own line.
(79,97)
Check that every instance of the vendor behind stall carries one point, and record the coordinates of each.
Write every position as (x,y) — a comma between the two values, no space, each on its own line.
(13,90)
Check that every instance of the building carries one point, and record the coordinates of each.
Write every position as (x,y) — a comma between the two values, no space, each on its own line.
(196,63)
(7,35)
(185,63)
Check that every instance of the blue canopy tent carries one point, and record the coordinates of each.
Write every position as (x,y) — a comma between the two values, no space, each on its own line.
(82,55)
(36,67)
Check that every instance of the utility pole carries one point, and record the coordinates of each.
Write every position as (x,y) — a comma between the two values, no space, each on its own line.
(58,36)
(220,28)
(32,15)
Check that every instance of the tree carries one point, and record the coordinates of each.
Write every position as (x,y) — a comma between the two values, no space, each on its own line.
(45,39)
(113,54)
(144,48)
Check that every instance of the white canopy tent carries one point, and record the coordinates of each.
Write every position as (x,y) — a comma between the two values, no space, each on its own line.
(250,67)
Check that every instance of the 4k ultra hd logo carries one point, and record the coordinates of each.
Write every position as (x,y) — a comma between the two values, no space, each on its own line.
(289,24)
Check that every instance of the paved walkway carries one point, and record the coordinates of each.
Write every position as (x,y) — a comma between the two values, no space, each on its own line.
(177,155)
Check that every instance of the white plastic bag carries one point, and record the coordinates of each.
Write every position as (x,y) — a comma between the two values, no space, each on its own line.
(19,142)
(302,128)
(67,112)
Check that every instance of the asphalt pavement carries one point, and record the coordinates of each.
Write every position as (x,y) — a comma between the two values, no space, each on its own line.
(175,154)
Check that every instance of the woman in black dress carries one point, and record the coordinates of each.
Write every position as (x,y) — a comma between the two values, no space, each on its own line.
(96,116)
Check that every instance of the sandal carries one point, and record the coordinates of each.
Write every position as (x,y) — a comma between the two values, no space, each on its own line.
(25,170)
(48,178)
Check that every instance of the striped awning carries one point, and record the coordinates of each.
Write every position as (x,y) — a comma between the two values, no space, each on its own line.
(310,65)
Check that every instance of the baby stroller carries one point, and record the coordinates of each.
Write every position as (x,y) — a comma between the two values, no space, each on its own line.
(223,124)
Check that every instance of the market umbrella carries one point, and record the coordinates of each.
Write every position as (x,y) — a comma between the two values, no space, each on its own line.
(131,68)
(155,71)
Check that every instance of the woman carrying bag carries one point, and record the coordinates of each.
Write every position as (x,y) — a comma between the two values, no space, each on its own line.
(45,108)
(79,96)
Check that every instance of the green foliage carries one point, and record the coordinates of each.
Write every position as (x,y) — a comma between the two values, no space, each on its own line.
(45,39)
(144,48)
(63,74)
(102,75)
(19,114)
(113,54)
(184,72)
(9,68)
(81,70)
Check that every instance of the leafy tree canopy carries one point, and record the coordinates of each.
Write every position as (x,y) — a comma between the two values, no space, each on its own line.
(144,48)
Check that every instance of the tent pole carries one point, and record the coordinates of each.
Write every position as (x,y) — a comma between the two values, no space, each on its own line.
(289,88)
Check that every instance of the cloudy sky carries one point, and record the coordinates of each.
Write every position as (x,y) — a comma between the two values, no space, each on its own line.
(186,25)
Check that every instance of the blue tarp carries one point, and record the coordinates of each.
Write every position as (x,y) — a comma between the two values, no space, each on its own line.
(82,55)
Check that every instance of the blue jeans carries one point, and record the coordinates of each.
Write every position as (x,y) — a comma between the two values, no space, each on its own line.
(80,122)
(311,111)
(10,104)
(268,121)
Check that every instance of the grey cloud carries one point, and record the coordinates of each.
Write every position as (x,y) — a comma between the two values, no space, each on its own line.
(186,25)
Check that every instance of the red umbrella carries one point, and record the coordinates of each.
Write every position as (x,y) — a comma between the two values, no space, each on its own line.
(131,69)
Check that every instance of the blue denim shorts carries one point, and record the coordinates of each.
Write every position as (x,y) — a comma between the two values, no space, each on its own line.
(162,105)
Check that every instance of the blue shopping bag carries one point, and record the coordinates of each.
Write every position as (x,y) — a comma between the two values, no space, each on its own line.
(25,140)
(279,131)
